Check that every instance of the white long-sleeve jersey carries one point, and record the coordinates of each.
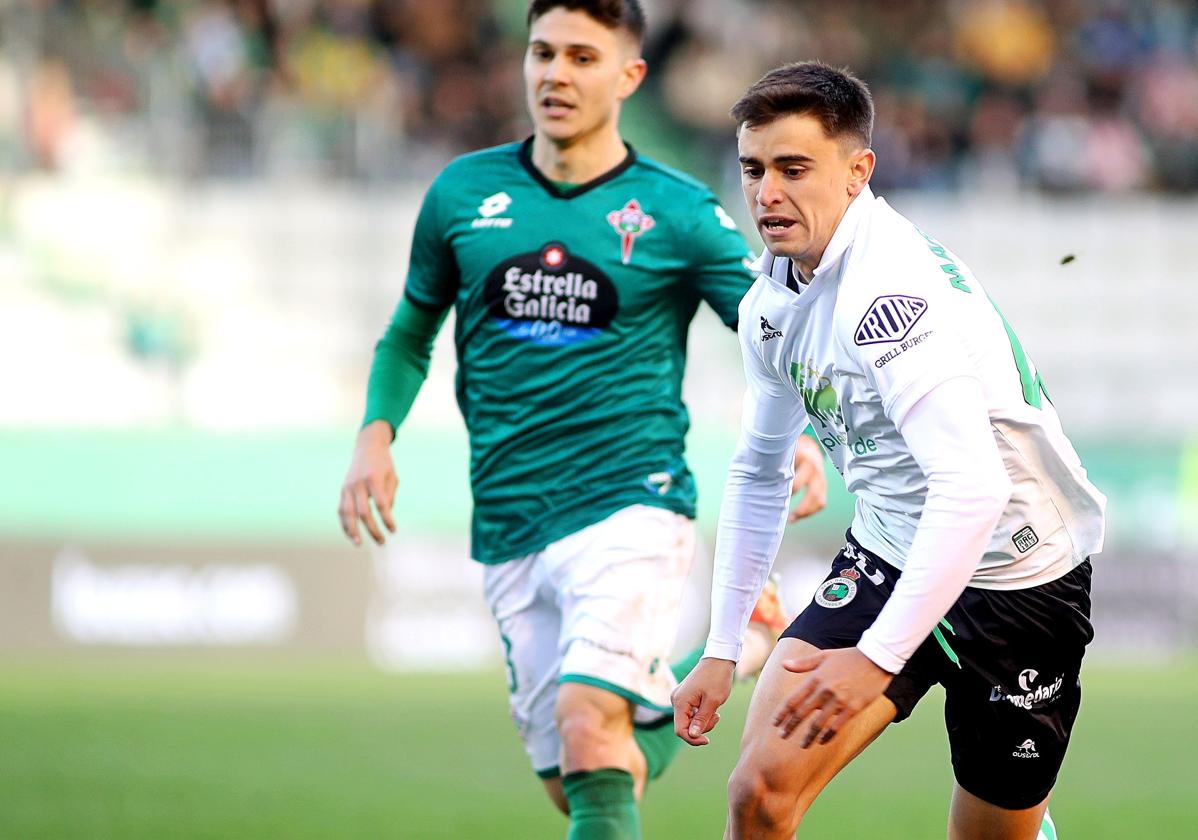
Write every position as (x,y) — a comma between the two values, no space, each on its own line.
(932,412)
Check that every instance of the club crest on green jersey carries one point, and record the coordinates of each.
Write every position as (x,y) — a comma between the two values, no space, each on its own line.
(629,222)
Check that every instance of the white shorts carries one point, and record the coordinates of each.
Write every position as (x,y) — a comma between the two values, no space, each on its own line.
(599,607)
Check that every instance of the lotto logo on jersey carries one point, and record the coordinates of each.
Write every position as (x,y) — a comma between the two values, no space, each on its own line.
(630,222)
(889,318)
(490,208)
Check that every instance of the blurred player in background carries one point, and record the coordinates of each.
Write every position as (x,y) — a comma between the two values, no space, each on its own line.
(574,268)
(967,560)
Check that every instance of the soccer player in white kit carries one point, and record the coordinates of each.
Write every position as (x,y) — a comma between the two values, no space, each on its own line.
(967,560)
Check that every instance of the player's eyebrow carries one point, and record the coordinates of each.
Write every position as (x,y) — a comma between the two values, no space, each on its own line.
(574,47)
(780,160)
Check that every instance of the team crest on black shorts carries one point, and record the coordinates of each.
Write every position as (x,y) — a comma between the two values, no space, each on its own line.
(835,593)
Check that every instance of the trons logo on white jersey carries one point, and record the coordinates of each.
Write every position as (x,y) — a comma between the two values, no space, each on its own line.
(491,207)
(889,318)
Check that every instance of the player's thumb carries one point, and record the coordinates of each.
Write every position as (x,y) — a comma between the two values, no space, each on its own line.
(702,720)
(803,664)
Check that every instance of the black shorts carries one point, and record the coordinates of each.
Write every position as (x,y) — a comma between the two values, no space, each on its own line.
(1009,662)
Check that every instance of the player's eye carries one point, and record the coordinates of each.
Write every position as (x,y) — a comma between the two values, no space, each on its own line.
(795,171)
(751,171)
(584,58)
(541,54)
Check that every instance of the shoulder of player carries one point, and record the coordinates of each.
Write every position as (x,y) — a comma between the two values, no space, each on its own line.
(892,258)
(671,180)
(749,309)
(471,164)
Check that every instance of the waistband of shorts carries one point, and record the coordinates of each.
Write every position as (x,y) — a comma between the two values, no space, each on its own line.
(848,535)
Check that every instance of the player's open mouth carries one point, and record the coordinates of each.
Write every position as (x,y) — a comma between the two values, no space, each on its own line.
(775,224)
(555,106)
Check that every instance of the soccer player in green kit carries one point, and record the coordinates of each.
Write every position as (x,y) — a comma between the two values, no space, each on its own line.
(574,267)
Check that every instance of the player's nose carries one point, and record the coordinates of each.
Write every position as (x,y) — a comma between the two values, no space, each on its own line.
(769,190)
(555,71)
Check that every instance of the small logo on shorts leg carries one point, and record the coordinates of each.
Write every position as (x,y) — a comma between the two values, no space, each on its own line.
(1026,750)
(835,593)
(1025,538)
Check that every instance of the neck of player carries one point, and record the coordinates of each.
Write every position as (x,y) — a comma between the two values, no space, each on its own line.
(579,159)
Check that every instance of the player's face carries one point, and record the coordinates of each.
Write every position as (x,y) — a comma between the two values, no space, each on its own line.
(798,182)
(576,74)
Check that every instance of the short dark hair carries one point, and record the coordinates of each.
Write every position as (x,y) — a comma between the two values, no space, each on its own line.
(838,99)
(614,14)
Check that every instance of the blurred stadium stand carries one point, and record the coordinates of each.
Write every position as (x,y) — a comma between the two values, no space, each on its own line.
(205,211)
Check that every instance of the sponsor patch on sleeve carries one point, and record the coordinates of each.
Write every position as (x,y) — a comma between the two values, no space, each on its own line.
(889,318)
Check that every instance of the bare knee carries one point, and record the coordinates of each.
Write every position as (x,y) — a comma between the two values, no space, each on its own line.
(595,728)
(759,807)
(585,733)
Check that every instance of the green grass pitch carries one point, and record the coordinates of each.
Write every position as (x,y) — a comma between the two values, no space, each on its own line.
(126,749)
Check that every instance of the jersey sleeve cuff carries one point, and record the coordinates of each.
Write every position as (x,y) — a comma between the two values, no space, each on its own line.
(722,650)
(879,655)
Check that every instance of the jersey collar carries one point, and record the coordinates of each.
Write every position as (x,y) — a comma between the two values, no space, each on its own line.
(779,268)
(845,231)
(578,189)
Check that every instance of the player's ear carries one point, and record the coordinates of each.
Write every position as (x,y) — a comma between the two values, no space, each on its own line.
(631,76)
(861,167)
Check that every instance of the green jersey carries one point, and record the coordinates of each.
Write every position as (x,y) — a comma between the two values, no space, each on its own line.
(572,309)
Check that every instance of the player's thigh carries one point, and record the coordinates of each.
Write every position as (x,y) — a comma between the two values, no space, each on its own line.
(529,624)
(779,767)
(972,818)
(620,585)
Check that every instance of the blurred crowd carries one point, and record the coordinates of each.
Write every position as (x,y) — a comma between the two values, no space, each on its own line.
(1057,95)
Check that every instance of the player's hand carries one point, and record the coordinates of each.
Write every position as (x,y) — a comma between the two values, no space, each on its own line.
(699,696)
(809,477)
(371,476)
(839,684)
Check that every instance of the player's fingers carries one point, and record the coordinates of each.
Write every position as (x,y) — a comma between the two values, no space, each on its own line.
(803,665)
(803,471)
(803,509)
(793,702)
(348,516)
(813,501)
(390,484)
(701,721)
(818,721)
(836,724)
(684,732)
(684,707)
(816,700)
(384,498)
(365,515)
